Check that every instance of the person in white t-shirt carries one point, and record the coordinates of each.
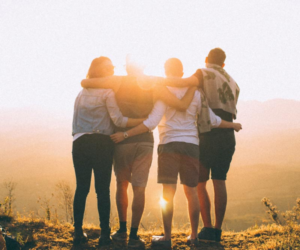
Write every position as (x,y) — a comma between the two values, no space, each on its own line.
(178,151)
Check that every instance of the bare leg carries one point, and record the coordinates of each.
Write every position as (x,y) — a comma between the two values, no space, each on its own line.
(204,204)
(138,205)
(220,202)
(193,206)
(167,212)
(122,200)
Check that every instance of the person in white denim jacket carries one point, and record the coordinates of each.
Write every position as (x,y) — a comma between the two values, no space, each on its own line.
(95,111)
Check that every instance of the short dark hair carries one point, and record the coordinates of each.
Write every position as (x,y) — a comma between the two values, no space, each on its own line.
(173,66)
(216,56)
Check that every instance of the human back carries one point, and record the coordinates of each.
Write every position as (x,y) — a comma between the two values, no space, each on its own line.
(220,88)
(91,113)
(134,102)
(218,145)
(180,126)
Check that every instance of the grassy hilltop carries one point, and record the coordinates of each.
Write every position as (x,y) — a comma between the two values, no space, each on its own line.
(39,233)
(37,156)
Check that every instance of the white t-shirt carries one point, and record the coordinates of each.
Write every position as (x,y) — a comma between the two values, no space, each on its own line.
(174,125)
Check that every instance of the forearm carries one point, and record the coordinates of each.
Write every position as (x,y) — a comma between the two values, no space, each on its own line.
(187,99)
(137,130)
(171,100)
(181,82)
(110,82)
(149,124)
(225,124)
(236,126)
(134,122)
(121,136)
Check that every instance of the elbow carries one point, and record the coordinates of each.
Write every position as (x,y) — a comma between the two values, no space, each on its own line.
(193,81)
(83,84)
(148,127)
(219,124)
(119,122)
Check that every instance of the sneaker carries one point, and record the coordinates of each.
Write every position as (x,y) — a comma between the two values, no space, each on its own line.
(192,242)
(104,238)
(79,238)
(159,241)
(136,243)
(119,236)
(207,234)
(218,234)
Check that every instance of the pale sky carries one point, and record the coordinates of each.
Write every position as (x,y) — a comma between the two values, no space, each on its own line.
(47,46)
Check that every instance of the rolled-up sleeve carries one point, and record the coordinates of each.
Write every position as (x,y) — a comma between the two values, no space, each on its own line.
(155,116)
(113,109)
(214,119)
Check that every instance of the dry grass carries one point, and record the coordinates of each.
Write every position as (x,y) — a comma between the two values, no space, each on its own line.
(36,233)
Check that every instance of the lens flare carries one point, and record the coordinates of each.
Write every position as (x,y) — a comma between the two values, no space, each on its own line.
(162,203)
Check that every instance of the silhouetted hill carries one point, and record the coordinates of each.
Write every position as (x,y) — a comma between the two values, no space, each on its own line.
(37,144)
(270,135)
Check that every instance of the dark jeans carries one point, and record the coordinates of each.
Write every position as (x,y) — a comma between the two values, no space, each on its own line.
(92,152)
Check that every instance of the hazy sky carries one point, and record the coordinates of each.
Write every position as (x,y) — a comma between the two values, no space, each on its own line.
(47,46)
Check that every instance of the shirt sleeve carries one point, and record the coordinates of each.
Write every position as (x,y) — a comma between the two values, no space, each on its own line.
(199,76)
(114,111)
(156,114)
(214,119)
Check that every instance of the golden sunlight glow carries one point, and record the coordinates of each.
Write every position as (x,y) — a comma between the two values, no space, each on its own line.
(153,39)
(162,203)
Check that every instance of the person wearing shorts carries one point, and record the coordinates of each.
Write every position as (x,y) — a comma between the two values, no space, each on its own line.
(178,158)
(133,156)
(221,144)
(132,163)
(218,145)
(178,152)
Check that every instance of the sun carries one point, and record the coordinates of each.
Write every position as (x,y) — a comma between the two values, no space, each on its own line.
(162,203)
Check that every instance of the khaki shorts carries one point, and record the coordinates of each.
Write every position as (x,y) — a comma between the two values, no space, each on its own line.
(132,162)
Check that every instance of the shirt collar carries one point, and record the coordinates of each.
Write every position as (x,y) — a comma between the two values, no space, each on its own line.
(211,65)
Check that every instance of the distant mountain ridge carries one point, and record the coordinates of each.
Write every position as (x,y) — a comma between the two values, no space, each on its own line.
(276,114)
(270,133)
(36,151)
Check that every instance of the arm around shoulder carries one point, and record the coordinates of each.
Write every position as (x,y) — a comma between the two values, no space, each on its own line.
(110,82)
(181,82)
(149,124)
(164,94)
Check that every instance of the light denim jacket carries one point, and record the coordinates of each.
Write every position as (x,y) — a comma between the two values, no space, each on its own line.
(94,112)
